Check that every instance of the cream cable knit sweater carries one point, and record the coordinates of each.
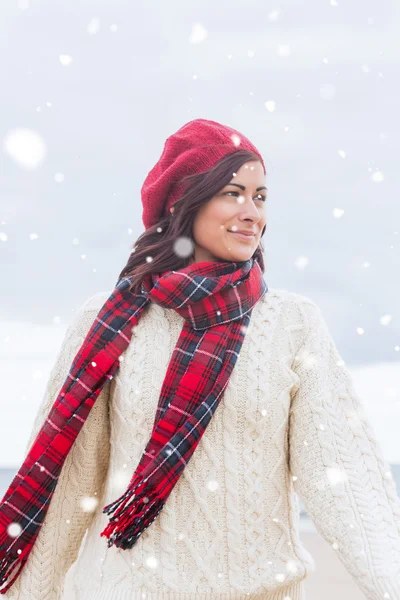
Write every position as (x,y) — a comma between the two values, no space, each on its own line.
(290,422)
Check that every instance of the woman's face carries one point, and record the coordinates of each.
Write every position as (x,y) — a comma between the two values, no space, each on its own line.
(232,209)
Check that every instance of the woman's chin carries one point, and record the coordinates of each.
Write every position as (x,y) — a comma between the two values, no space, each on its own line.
(236,257)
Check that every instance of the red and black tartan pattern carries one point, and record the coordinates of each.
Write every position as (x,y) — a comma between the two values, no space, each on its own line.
(216,301)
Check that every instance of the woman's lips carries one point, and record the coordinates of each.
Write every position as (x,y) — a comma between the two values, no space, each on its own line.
(247,238)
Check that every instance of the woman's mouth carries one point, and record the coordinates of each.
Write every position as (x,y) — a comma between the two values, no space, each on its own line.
(247,238)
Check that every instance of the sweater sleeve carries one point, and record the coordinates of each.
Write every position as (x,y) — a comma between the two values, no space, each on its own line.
(82,477)
(337,465)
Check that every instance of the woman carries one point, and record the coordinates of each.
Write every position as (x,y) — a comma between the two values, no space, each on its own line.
(149,388)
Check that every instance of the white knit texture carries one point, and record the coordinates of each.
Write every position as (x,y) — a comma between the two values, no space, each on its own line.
(352,497)
(289,421)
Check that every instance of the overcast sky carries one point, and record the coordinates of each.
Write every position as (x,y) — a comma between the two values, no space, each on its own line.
(89,93)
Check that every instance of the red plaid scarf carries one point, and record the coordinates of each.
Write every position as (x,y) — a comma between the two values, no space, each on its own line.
(216,301)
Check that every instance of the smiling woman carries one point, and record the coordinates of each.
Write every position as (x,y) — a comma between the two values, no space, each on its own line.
(218,222)
(204,214)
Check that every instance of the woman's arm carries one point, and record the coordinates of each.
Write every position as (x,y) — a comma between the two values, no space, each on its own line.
(337,465)
(82,475)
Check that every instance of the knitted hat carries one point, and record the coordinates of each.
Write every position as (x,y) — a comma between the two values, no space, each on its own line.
(194,148)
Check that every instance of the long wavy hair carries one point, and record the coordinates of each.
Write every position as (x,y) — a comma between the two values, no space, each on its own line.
(153,252)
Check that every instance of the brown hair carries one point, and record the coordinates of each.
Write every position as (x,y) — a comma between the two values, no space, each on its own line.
(159,245)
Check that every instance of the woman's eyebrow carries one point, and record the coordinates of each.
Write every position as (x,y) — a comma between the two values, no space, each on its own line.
(263,187)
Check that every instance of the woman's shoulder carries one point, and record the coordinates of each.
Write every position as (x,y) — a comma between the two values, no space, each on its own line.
(295,311)
(288,298)
(96,301)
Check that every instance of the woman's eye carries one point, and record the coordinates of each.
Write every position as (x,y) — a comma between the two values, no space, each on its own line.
(260,195)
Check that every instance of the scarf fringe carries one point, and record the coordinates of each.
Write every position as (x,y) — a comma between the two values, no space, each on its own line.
(7,563)
(133,517)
